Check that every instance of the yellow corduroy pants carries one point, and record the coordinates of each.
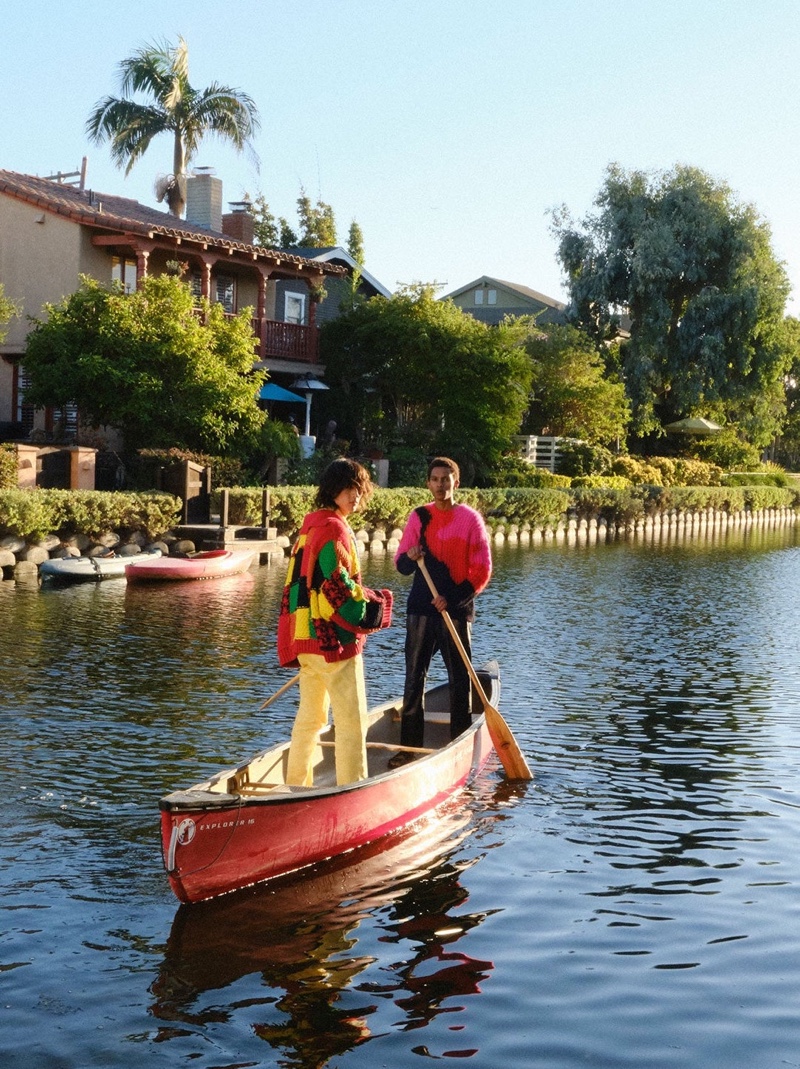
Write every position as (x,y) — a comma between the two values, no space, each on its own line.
(325,686)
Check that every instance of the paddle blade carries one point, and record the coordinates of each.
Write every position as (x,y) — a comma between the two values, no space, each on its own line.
(511,757)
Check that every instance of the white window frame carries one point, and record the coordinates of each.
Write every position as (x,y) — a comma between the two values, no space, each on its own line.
(479,296)
(301,298)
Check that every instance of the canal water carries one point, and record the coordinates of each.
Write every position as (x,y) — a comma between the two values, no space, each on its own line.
(636,906)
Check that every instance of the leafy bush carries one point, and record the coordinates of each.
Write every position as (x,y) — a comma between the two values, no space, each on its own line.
(8,466)
(608,482)
(756,478)
(581,458)
(33,514)
(637,470)
(614,504)
(407,466)
(513,471)
(689,471)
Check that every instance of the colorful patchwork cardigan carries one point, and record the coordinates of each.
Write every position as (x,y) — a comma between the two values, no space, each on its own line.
(457,555)
(325,608)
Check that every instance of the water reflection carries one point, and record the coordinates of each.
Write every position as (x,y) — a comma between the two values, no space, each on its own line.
(301,937)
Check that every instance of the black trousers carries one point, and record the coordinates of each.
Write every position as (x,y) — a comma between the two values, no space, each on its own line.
(425,635)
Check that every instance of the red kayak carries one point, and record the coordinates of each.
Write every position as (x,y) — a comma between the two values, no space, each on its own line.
(208,565)
(245,824)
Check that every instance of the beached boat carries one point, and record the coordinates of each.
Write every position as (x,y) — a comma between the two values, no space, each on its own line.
(211,564)
(245,824)
(92,569)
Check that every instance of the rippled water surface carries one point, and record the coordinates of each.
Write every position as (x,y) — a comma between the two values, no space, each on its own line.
(637,905)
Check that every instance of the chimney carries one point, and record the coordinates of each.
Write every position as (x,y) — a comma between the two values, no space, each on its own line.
(204,199)
(239,224)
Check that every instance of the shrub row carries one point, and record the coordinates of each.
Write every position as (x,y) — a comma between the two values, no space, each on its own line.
(616,504)
(33,514)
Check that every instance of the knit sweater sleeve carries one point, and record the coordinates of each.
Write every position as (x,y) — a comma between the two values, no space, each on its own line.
(343,599)
(410,537)
(479,567)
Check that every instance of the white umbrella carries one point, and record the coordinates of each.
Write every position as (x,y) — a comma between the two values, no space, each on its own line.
(692,425)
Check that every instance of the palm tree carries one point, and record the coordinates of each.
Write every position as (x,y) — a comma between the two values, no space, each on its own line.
(162,73)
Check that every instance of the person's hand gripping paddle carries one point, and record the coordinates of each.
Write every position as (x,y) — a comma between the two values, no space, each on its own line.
(502,738)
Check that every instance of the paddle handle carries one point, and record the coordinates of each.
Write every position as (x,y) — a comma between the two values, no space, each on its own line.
(281,690)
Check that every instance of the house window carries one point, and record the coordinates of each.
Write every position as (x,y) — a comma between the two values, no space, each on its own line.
(124,272)
(196,286)
(479,296)
(295,308)
(23,413)
(226,293)
(491,296)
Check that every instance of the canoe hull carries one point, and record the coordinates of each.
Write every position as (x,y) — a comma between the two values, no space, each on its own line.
(211,565)
(214,843)
(92,569)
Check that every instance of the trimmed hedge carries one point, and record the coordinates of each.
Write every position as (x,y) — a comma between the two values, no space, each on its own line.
(618,503)
(33,514)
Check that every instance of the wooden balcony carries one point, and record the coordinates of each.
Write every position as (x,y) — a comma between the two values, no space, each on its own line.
(287,341)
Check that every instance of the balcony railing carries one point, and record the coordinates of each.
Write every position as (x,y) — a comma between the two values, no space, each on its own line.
(287,341)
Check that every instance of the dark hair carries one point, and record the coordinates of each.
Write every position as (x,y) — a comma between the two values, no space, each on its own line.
(341,475)
(444,462)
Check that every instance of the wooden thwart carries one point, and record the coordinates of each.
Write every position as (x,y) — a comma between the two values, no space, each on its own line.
(391,746)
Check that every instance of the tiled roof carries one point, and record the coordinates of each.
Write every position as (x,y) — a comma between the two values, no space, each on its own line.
(107,212)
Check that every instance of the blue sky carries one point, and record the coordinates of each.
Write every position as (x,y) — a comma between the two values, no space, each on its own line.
(449,130)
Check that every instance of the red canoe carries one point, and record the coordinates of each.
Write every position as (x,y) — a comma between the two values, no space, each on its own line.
(208,565)
(245,824)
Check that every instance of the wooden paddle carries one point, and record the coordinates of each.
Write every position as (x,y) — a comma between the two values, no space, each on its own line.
(281,690)
(502,738)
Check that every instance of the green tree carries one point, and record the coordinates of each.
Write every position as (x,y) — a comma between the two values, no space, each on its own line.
(694,271)
(415,371)
(8,309)
(317,222)
(355,243)
(161,74)
(573,396)
(266,228)
(149,365)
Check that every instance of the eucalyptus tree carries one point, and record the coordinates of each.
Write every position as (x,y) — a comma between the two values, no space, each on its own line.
(675,262)
(160,73)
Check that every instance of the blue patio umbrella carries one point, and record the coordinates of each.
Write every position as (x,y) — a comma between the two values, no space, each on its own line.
(270,391)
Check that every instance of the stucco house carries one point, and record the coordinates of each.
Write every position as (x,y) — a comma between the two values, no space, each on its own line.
(52,231)
(491,299)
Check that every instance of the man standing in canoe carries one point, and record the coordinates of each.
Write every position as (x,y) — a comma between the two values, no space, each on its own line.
(453,540)
(326,614)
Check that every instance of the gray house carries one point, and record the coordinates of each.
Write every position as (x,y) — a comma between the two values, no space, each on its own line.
(336,288)
(491,299)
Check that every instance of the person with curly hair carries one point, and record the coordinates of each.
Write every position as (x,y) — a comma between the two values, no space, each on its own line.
(326,614)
